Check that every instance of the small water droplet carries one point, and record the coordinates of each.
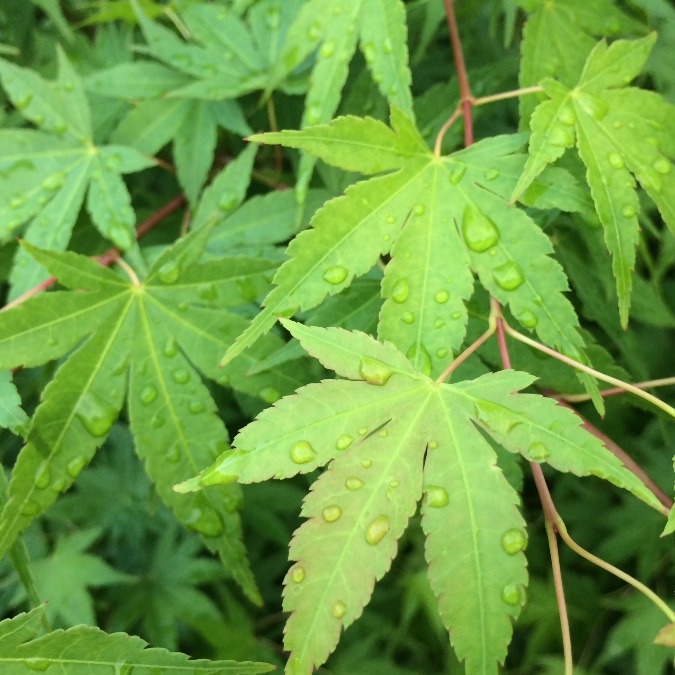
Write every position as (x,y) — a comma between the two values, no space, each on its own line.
(561,136)
(16,201)
(628,211)
(456,316)
(479,232)
(339,609)
(363,431)
(408,317)
(327,49)
(148,394)
(492,174)
(457,172)
(331,513)
(53,182)
(42,475)
(437,496)
(439,323)
(617,124)
(170,347)
(391,220)
(37,664)
(514,541)
(374,371)
(538,452)
(595,107)
(441,353)
(297,574)
(269,394)
(366,463)
(75,466)
(314,32)
(513,595)
(206,521)
(420,358)
(528,318)
(59,485)
(353,483)
(566,116)
(343,442)
(369,52)
(441,296)
(336,274)
(400,291)
(196,407)
(23,101)
(508,276)
(615,160)
(173,454)
(180,375)
(377,530)
(169,272)
(661,165)
(432,445)
(419,209)
(30,508)
(302,452)
(227,202)
(387,46)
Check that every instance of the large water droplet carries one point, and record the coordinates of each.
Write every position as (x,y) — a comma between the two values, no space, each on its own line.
(75,466)
(513,595)
(615,160)
(400,291)
(336,274)
(508,276)
(169,272)
(148,394)
(343,442)
(96,415)
(661,165)
(437,497)
(374,371)
(366,463)
(514,541)
(441,296)
(457,172)
(331,513)
(353,483)
(561,136)
(227,202)
(37,664)
(420,358)
(302,452)
(339,609)
(206,522)
(566,116)
(377,530)
(538,452)
(42,475)
(595,107)
(528,319)
(628,211)
(479,232)
(297,574)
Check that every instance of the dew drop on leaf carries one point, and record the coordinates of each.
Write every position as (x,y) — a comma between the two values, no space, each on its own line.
(331,513)
(508,276)
(457,172)
(538,452)
(432,445)
(366,463)
(123,668)
(615,160)
(42,475)
(227,202)
(75,466)
(30,509)
(419,209)
(566,116)
(437,496)
(439,323)
(180,375)
(479,232)
(327,49)
(420,358)
(514,541)
(513,595)
(528,318)
(298,574)
(441,296)
(628,211)
(23,102)
(363,431)
(173,455)
(169,272)
(302,452)
(441,353)
(343,442)
(374,371)
(335,274)
(339,609)
(16,201)
(196,407)
(314,32)
(661,165)
(59,485)
(53,182)
(595,107)
(269,394)
(37,664)
(206,522)
(369,52)
(353,483)
(96,415)
(400,291)
(377,530)
(382,433)
(170,347)
(408,317)
(561,137)
(492,174)
(148,394)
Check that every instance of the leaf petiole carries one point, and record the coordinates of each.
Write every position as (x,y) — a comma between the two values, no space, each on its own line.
(507,94)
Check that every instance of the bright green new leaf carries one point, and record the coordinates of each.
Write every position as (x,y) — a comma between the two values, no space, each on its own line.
(622,134)
(158,330)
(392,436)
(23,649)
(45,176)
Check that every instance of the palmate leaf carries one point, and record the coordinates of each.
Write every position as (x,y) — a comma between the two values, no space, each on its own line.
(391,436)
(88,648)
(440,219)
(157,331)
(622,134)
(45,176)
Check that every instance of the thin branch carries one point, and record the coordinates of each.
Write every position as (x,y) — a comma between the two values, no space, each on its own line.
(465,354)
(647,384)
(444,130)
(507,94)
(128,271)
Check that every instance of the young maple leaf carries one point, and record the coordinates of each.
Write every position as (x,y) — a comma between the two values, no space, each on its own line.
(47,173)
(441,219)
(151,337)
(391,436)
(622,133)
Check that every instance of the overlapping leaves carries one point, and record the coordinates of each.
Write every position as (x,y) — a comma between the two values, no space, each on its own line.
(390,436)
(622,134)
(152,337)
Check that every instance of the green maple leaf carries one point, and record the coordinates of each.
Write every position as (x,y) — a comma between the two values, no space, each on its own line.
(331,28)
(152,335)
(441,219)
(622,133)
(46,174)
(11,414)
(22,648)
(391,436)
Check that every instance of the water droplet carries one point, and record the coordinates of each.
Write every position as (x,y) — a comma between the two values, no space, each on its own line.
(441,353)
(408,317)
(419,209)
(59,485)
(508,276)
(302,452)
(53,182)
(75,466)
(42,475)
(441,296)
(170,347)
(269,394)
(432,445)
(492,174)
(206,522)
(169,272)
(420,358)
(479,232)
(628,211)
(314,32)
(353,483)
(180,375)
(96,415)
(369,52)
(538,452)
(23,101)
(377,530)
(363,431)
(297,574)
(457,172)
(38,664)
(148,394)
(566,116)
(158,421)
(615,160)
(196,407)
(437,497)
(391,220)
(374,371)
(513,595)
(16,201)
(514,541)
(331,513)
(561,136)
(456,316)
(328,49)
(343,442)
(661,165)
(339,609)
(595,107)
(60,126)
(173,454)
(366,463)
(400,291)
(528,319)
(439,323)
(336,274)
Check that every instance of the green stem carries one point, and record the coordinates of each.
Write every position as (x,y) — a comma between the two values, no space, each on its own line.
(647,384)
(508,94)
